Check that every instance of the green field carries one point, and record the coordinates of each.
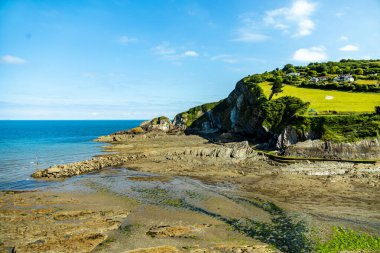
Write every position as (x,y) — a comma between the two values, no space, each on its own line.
(329,100)
(368,82)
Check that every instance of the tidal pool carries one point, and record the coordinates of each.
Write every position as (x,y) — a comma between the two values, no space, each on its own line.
(249,215)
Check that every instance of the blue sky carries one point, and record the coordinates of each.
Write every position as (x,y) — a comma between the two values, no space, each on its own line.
(139,59)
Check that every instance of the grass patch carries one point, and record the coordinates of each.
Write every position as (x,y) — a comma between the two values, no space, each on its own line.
(349,240)
(368,82)
(343,128)
(339,101)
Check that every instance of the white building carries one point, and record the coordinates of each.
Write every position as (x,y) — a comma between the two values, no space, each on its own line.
(344,78)
(314,79)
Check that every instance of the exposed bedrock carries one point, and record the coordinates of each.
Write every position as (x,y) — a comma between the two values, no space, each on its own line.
(77,168)
(364,149)
(226,151)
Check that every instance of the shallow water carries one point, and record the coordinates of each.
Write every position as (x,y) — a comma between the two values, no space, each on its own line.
(146,187)
(26,146)
(253,217)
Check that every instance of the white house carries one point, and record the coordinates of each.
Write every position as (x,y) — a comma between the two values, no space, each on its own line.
(344,78)
(314,79)
(293,74)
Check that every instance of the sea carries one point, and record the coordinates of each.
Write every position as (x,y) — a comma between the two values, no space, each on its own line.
(29,145)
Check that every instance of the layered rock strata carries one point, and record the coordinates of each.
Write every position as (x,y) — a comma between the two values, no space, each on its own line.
(87,166)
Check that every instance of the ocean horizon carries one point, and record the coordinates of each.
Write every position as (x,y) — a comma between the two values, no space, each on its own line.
(28,145)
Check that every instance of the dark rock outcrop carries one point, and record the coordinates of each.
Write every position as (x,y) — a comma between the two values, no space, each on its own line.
(77,168)
(278,124)
(364,149)
(245,111)
(289,136)
(239,150)
(161,123)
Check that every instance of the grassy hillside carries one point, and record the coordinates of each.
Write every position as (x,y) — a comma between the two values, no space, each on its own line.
(329,100)
(345,75)
(344,104)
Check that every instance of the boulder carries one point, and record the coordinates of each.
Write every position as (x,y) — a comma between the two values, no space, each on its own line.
(161,123)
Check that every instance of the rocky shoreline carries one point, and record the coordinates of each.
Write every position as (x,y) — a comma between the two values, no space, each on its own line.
(222,150)
(324,194)
(83,167)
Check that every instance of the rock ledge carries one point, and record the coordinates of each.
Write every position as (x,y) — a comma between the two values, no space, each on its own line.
(77,168)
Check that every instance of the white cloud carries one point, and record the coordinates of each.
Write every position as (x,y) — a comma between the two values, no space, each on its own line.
(297,14)
(10,59)
(349,48)
(343,38)
(367,57)
(127,40)
(314,54)
(249,30)
(245,35)
(166,51)
(190,53)
(224,58)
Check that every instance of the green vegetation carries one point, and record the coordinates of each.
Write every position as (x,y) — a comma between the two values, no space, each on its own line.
(196,112)
(276,87)
(353,126)
(347,128)
(262,105)
(323,101)
(349,240)
(284,232)
(369,82)
(158,120)
(277,113)
(356,75)
(174,202)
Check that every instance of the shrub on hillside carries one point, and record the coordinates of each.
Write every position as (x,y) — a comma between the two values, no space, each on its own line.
(377,110)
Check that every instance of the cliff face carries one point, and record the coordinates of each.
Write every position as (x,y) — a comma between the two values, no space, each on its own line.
(245,111)
(279,124)
(364,149)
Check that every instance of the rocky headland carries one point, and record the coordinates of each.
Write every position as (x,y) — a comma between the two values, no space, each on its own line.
(325,194)
(222,143)
(245,115)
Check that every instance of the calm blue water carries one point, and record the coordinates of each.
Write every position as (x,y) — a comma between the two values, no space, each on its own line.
(29,145)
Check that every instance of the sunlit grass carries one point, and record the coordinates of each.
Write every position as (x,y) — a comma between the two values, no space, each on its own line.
(345,240)
(368,82)
(329,100)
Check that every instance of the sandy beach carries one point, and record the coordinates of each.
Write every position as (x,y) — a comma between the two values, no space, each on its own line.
(178,196)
